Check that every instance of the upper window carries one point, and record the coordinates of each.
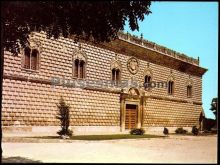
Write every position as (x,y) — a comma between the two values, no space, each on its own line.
(79,68)
(31,59)
(170,87)
(148,76)
(116,70)
(147,82)
(79,64)
(76,68)
(189,91)
(189,87)
(116,76)
(171,81)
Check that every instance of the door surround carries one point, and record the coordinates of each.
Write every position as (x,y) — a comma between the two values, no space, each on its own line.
(132,100)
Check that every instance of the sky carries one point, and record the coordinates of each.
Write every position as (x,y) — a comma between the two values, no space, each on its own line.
(190,28)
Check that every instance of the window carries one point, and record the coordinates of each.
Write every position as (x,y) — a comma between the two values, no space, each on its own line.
(34,56)
(27,57)
(147,81)
(116,76)
(113,75)
(79,68)
(31,57)
(170,87)
(189,91)
(79,62)
(76,68)
(115,70)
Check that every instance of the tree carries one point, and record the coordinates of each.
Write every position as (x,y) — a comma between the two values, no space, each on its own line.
(99,21)
(214,106)
(64,117)
(214,109)
(210,124)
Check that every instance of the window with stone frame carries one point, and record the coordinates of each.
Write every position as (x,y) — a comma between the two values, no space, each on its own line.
(76,66)
(147,82)
(79,68)
(31,59)
(79,64)
(189,90)
(115,70)
(116,76)
(171,87)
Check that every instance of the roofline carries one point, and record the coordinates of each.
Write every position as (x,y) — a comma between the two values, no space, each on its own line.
(157,48)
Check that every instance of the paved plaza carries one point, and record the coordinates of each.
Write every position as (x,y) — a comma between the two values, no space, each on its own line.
(173,149)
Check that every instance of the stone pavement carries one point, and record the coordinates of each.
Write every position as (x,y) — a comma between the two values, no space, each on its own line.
(174,149)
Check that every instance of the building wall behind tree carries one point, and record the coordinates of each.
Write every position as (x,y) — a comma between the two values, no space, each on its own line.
(33,103)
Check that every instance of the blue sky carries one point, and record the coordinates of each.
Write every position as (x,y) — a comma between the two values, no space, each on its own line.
(190,28)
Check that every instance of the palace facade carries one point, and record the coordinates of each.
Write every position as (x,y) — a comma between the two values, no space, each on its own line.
(104,84)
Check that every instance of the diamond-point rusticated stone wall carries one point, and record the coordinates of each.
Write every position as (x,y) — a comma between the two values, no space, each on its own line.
(29,98)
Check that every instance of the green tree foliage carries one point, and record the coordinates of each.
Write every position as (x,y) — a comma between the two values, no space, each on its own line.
(64,117)
(97,20)
(214,106)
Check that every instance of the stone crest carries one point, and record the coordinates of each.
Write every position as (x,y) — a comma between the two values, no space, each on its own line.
(133,65)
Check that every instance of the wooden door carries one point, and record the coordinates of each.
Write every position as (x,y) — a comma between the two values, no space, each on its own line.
(131,116)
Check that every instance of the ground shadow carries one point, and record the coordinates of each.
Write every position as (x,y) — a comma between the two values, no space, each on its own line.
(18,159)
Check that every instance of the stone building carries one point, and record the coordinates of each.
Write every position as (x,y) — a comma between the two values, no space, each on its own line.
(103,84)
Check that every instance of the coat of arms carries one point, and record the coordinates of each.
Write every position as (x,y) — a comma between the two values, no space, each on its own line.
(133,65)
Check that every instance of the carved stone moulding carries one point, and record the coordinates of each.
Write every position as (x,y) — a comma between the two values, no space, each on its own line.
(133,65)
